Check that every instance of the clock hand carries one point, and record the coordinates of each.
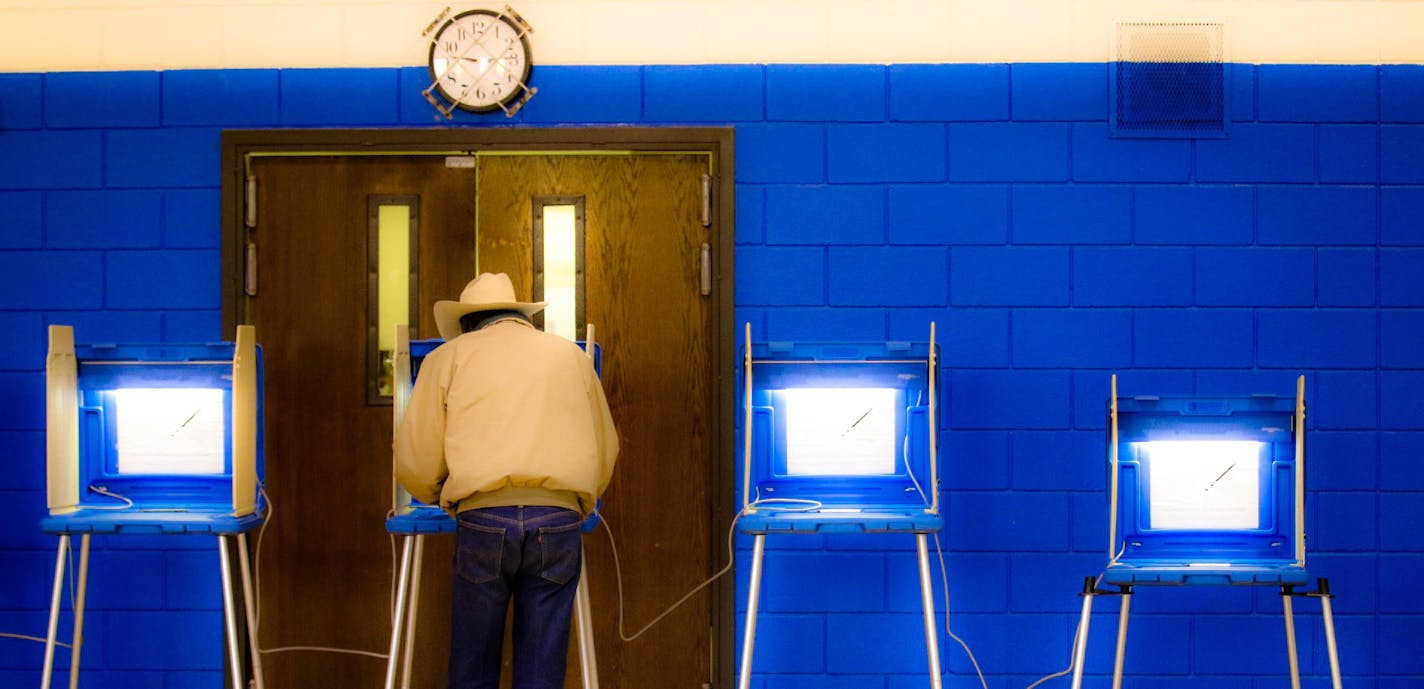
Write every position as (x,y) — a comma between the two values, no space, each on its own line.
(487,65)
(478,41)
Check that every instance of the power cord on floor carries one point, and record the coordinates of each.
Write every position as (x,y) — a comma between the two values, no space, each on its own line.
(1064,671)
(69,567)
(1072,652)
(943,571)
(26,637)
(256,579)
(784,504)
(257,597)
(944,579)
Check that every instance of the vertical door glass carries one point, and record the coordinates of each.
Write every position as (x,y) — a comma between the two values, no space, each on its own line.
(558,263)
(390,285)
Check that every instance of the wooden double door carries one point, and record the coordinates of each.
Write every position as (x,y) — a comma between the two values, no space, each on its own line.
(326,563)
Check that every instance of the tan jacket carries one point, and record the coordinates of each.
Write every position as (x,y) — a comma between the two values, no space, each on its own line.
(506,415)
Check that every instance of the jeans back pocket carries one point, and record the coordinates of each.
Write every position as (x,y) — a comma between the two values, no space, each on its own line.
(560,548)
(479,552)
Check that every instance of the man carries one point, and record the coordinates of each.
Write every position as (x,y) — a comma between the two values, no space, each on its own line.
(508,429)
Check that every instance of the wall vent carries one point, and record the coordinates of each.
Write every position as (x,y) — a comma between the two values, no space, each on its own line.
(1168,80)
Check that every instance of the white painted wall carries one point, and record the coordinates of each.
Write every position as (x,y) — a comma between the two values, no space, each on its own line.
(69,35)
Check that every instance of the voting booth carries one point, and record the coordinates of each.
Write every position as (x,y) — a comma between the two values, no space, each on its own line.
(1206,491)
(414,520)
(839,438)
(153,439)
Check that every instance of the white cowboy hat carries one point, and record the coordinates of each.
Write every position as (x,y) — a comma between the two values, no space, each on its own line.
(488,292)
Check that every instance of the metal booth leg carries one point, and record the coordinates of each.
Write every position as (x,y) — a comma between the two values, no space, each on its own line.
(1124,604)
(81,588)
(1286,593)
(583,619)
(744,678)
(402,581)
(927,600)
(54,611)
(413,611)
(230,612)
(1080,642)
(250,607)
(1323,590)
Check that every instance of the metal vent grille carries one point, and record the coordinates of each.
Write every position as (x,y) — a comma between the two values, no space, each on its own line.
(1168,80)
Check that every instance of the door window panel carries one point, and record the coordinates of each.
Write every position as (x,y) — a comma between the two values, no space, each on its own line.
(559,264)
(390,285)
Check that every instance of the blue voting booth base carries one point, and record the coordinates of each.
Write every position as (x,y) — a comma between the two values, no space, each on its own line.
(151,523)
(771,522)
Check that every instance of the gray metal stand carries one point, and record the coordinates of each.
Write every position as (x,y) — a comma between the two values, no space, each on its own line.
(81,586)
(408,656)
(583,621)
(230,611)
(1123,604)
(54,611)
(744,677)
(1291,655)
(1080,640)
(398,621)
(1287,592)
(927,602)
(1327,614)
(250,605)
(402,647)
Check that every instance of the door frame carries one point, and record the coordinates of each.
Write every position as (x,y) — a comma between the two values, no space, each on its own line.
(238,146)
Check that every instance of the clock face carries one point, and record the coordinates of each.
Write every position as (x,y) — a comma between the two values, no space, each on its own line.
(479,60)
(1204,484)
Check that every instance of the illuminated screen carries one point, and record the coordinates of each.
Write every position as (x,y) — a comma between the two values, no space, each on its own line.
(169,430)
(1204,484)
(840,431)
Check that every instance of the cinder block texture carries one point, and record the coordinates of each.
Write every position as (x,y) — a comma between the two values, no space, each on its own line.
(870,200)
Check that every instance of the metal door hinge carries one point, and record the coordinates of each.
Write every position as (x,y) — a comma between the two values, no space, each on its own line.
(707,200)
(706,280)
(249,197)
(250,274)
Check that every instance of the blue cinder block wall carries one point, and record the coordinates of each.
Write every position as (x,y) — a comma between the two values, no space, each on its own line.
(870,201)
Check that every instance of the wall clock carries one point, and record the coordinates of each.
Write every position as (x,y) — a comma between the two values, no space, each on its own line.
(479,62)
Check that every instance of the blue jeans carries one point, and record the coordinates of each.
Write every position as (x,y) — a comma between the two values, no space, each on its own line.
(530,554)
